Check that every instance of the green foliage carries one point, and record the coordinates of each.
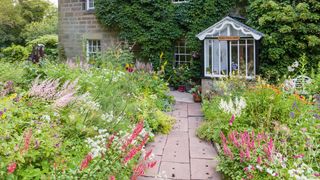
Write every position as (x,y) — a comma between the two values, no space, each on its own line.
(49,41)
(291,28)
(34,30)
(15,53)
(289,120)
(155,26)
(108,101)
(15,15)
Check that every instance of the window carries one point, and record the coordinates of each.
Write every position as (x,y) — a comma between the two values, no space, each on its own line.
(232,56)
(180,1)
(93,48)
(90,4)
(182,53)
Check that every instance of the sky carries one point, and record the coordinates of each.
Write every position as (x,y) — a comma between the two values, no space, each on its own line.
(54,2)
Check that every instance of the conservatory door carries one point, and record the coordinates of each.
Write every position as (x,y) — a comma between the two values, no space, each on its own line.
(216,58)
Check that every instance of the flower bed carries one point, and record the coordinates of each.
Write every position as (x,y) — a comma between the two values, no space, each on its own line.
(66,121)
(264,133)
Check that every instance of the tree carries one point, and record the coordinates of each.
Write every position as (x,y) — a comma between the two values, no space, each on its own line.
(292,28)
(16,14)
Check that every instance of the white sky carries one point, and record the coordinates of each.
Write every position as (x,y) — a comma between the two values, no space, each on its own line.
(54,2)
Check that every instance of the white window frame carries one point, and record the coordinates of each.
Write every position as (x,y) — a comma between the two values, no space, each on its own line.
(88,5)
(94,45)
(182,52)
(179,1)
(206,58)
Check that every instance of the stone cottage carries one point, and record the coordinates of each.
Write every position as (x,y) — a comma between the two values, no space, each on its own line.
(80,34)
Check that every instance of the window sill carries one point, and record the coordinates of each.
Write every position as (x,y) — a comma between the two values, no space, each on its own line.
(90,11)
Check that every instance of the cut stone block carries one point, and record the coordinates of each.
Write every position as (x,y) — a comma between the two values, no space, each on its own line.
(177,147)
(181,124)
(204,169)
(153,172)
(180,113)
(194,122)
(201,149)
(158,145)
(175,170)
(194,109)
(181,106)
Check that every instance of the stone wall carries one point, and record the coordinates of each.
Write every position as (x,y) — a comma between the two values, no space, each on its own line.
(76,25)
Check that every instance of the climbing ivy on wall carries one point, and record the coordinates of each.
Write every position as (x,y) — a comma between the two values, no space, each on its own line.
(292,28)
(155,25)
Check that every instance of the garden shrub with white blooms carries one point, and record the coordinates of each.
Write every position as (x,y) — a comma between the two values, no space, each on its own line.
(269,134)
(79,121)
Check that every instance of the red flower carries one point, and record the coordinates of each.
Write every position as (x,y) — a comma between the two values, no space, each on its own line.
(259,161)
(12,167)
(152,164)
(27,138)
(86,162)
(135,133)
(148,154)
(298,156)
(112,178)
(110,142)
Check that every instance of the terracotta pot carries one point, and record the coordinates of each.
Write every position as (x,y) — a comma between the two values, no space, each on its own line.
(196,97)
(182,88)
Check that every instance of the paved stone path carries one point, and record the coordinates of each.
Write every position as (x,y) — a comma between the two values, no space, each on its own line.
(181,154)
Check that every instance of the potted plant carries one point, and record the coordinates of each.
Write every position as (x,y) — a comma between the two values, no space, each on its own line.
(196,93)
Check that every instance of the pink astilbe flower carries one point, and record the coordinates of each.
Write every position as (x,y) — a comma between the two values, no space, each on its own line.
(242,155)
(232,119)
(12,167)
(112,178)
(227,151)
(49,90)
(223,138)
(85,162)
(134,134)
(259,161)
(152,164)
(248,154)
(26,139)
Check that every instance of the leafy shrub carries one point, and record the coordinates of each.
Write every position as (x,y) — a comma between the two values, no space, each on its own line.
(93,129)
(289,121)
(15,53)
(49,41)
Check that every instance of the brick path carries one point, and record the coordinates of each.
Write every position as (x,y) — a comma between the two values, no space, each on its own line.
(180,154)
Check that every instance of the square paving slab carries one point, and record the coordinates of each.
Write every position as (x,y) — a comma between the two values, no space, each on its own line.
(204,169)
(194,109)
(153,172)
(175,170)
(194,122)
(158,145)
(181,125)
(201,149)
(180,113)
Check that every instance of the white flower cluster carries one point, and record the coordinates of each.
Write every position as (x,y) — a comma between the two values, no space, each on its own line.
(302,171)
(109,117)
(98,143)
(233,107)
(114,75)
(293,66)
(86,103)
(280,159)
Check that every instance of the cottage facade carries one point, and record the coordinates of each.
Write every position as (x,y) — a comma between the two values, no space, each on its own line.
(80,34)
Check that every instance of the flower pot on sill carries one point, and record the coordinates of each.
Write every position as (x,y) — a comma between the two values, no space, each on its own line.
(196,97)
(182,88)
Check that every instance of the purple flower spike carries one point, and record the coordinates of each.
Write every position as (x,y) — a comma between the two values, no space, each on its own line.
(292,115)
(5,110)
(1,113)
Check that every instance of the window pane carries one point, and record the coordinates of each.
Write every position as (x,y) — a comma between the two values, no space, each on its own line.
(251,61)
(224,57)
(242,58)
(209,64)
(234,58)
(215,61)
